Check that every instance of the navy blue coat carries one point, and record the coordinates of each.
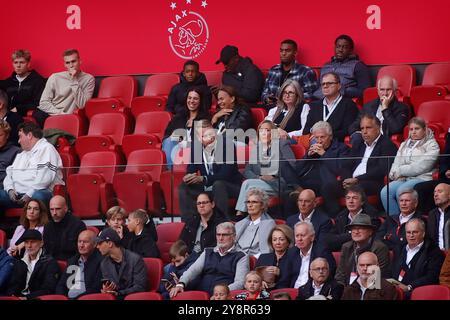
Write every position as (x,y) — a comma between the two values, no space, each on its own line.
(433,224)
(270,259)
(331,288)
(320,220)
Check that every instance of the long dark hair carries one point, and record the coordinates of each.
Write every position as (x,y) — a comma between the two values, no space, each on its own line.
(202,110)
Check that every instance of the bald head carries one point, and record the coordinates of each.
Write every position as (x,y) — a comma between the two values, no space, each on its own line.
(86,242)
(368,257)
(306,202)
(442,195)
(58,208)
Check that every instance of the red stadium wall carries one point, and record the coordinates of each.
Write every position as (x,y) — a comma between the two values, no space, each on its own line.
(133,37)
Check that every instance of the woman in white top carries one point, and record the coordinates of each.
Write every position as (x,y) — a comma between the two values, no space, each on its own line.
(415,162)
(34,216)
(291,112)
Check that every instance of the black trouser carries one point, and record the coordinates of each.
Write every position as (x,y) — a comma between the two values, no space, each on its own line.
(222,191)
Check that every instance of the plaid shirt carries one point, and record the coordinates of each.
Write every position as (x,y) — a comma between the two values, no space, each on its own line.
(305,76)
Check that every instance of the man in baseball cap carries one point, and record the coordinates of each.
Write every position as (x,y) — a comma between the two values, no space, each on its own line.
(227,53)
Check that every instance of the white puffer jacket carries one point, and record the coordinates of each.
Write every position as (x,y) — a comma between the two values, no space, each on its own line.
(420,163)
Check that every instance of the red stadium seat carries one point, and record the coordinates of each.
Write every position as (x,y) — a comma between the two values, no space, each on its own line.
(337,256)
(106,132)
(147,104)
(431,292)
(62,264)
(90,190)
(9,298)
(280,221)
(437,74)
(437,113)
(192,295)
(138,187)
(52,297)
(214,78)
(70,123)
(422,94)
(154,272)
(160,84)
(252,262)
(258,115)
(97,296)
(93,229)
(298,150)
(3,239)
(144,296)
(292,292)
(168,233)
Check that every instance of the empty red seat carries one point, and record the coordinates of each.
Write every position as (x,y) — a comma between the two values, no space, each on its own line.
(138,187)
(436,112)
(90,190)
(70,123)
(437,74)
(298,150)
(144,296)
(258,115)
(52,297)
(431,292)
(192,295)
(147,104)
(168,233)
(3,239)
(154,272)
(97,296)
(105,133)
(214,78)
(62,264)
(160,84)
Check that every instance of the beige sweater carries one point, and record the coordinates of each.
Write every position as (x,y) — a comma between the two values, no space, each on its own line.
(62,95)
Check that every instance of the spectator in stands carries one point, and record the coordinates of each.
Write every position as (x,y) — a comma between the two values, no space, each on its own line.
(280,239)
(368,163)
(83,274)
(252,231)
(355,203)
(179,130)
(301,255)
(232,114)
(265,170)
(414,163)
(24,87)
(392,113)
(291,111)
(181,260)
(337,110)
(199,231)
(322,167)
(144,233)
(34,172)
(253,288)
(37,273)
(34,216)
(241,74)
(362,232)
(123,271)
(190,78)
(115,219)
(426,189)
(65,91)
(61,232)
(13,118)
(438,226)
(418,262)
(392,231)
(353,72)
(320,282)
(8,150)
(288,68)
(369,285)
(444,277)
(221,264)
(6,269)
(307,203)
(218,171)
(221,292)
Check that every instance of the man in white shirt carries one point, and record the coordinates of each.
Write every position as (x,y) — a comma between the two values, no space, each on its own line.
(34,172)
(438,217)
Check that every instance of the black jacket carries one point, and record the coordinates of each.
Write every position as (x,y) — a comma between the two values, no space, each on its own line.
(396,116)
(240,118)
(60,239)
(320,221)
(25,96)
(342,117)
(433,223)
(43,280)
(7,155)
(331,288)
(247,79)
(144,244)
(176,102)
(13,119)
(208,237)
(392,233)
(179,122)
(92,274)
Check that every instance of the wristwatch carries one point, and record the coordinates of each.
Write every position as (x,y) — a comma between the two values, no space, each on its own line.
(409,287)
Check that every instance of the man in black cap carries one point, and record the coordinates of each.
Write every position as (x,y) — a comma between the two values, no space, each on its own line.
(362,232)
(241,74)
(123,271)
(36,274)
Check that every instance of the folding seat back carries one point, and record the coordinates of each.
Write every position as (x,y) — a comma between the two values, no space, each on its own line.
(437,74)
(154,268)
(104,163)
(404,74)
(258,115)
(192,295)
(97,296)
(424,93)
(124,88)
(153,123)
(298,150)
(214,78)
(436,112)
(3,239)
(150,161)
(70,123)
(52,297)
(147,104)
(168,233)
(431,292)
(160,84)
(143,296)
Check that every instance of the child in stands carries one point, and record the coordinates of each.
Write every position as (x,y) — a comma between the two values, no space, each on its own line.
(253,285)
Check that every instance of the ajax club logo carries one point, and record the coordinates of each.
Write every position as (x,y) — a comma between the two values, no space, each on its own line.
(188,30)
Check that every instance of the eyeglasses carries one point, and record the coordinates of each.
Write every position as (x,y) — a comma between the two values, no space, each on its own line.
(199,203)
(320,269)
(224,234)
(252,202)
(289,93)
(326,84)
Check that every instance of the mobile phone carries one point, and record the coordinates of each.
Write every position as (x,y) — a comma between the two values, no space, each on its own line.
(106,282)
(313,141)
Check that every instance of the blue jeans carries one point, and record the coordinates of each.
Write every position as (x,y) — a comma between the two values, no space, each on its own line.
(170,147)
(5,202)
(395,189)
